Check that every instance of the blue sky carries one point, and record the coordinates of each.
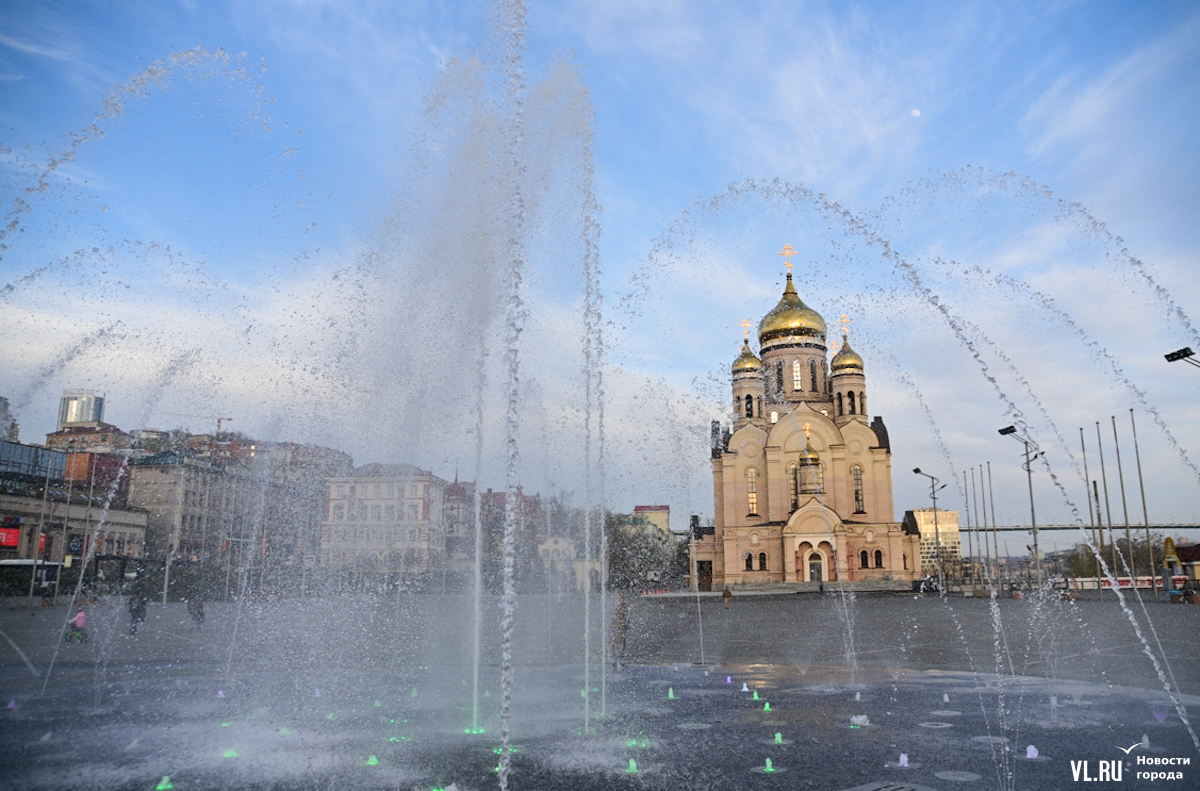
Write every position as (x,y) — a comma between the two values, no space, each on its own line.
(239,238)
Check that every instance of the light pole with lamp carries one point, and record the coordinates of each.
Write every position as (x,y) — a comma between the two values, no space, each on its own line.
(1031,452)
(937,534)
(1186,354)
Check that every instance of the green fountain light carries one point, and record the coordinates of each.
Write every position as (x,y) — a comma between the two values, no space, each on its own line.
(286,731)
(766,706)
(769,767)
(756,694)
(475,730)
(372,761)
(632,767)
(164,784)
(778,738)
(231,753)
(670,693)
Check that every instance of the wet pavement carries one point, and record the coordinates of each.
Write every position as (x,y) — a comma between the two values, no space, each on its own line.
(363,693)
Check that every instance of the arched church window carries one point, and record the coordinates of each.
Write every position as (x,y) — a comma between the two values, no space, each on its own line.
(797,383)
(839,402)
(749,406)
(749,562)
(762,561)
(905,558)
(850,401)
(778,377)
(752,491)
(760,412)
(794,484)
(860,505)
(879,558)
(812,374)
(862,560)
(774,416)
(862,403)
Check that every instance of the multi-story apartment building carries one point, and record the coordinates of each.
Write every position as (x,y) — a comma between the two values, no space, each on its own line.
(392,518)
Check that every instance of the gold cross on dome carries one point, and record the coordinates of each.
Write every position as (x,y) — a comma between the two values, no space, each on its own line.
(746,325)
(833,346)
(845,322)
(807,430)
(787,254)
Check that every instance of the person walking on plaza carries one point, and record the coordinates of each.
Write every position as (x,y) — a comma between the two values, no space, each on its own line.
(620,629)
(195,608)
(137,610)
(726,595)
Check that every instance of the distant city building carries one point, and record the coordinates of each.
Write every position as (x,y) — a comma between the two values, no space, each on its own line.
(259,510)
(52,504)
(657,515)
(802,487)
(93,437)
(945,532)
(557,553)
(528,525)
(80,407)
(459,517)
(392,518)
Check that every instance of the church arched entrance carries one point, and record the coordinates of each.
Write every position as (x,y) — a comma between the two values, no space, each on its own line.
(814,568)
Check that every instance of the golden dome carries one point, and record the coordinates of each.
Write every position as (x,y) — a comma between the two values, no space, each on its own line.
(847,358)
(808,455)
(746,362)
(790,317)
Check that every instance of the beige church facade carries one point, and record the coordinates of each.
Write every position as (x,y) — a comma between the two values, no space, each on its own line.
(802,484)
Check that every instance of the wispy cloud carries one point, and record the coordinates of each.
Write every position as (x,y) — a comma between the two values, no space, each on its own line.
(34,49)
(1079,108)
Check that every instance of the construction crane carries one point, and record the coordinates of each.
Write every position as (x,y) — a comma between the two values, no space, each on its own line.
(217,418)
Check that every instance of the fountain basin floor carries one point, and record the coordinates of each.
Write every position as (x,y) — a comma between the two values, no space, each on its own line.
(124,712)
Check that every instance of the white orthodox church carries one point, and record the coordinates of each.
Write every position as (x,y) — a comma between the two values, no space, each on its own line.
(802,486)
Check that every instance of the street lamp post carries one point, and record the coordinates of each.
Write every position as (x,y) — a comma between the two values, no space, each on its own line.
(1186,354)
(937,534)
(1031,453)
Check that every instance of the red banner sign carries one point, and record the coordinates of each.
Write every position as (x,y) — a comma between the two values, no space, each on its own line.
(10,536)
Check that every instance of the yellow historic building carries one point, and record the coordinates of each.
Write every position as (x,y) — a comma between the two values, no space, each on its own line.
(802,485)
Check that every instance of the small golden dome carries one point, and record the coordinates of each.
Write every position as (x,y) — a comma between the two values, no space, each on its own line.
(847,358)
(790,317)
(808,455)
(746,362)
